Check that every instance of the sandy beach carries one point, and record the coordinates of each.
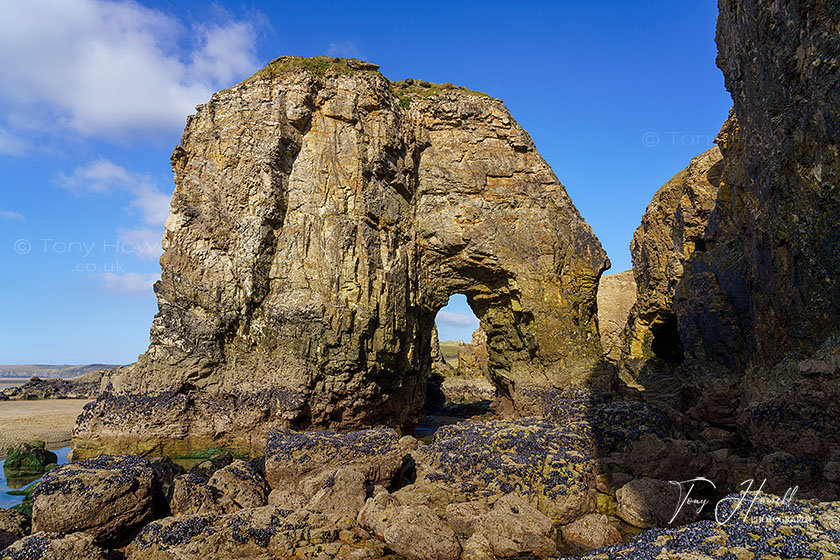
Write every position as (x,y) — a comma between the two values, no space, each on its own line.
(48,420)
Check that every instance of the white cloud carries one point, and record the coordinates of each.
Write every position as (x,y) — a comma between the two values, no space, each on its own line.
(111,68)
(8,215)
(129,283)
(456,319)
(143,243)
(10,145)
(105,177)
(346,49)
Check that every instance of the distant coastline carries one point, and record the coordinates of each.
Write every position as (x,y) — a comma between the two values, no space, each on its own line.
(25,371)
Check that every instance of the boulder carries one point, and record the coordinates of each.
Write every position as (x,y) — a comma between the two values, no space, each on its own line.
(109,497)
(13,526)
(551,465)
(379,512)
(55,546)
(192,495)
(514,527)
(301,462)
(463,517)
(418,534)
(264,533)
(343,493)
(29,458)
(591,531)
(648,502)
(298,294)
(239,485)
(477,547)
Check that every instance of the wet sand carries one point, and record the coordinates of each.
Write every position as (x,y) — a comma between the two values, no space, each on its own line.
(49,420)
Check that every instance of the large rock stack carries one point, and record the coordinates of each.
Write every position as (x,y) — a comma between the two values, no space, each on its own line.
(321,217)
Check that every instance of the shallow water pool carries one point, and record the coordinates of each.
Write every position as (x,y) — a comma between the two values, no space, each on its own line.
(7,500)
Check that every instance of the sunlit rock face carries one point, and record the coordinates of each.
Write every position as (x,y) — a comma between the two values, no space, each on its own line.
(321,217)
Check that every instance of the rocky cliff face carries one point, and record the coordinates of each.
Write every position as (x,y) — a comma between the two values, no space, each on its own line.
(756,304)
(321,217)
(672,230)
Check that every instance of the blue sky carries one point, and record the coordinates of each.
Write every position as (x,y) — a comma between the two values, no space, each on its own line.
(617,95)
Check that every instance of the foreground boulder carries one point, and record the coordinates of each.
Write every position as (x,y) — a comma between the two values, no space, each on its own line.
(263,533)
(55,546)
(301,294)
(108,497)
(648,502)
(13,526)
(514,527)
(302,462)
(548,465)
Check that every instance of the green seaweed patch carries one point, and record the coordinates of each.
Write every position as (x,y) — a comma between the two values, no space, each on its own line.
(24,507)
(211,452)
(409,89)
(318,65)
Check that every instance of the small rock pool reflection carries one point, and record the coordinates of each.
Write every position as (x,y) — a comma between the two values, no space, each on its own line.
(11,483)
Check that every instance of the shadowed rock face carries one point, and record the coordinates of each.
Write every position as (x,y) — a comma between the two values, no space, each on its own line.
(757,310)
(319,222)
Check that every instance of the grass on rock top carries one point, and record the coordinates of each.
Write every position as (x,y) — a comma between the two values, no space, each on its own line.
(406,90)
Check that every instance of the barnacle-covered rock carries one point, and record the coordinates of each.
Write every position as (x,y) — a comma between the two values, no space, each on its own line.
(240,485)
(55,546)
(258,533)
(13,526)
(107,497)
(746,527)
(302,462)
(550,466)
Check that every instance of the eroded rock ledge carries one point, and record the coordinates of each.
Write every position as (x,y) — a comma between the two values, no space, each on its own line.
(321,217)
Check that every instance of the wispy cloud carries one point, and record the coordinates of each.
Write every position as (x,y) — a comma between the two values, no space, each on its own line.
(456,319)
(346,49)
(129,283)
(10,145)
(104,176)
(12,216)
(111,68)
